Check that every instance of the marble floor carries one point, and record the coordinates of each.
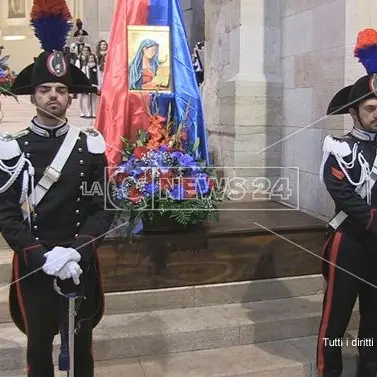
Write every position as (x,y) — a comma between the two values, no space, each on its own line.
(14,116)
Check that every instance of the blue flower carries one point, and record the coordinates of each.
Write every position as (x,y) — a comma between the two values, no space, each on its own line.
(178,155)
(185,160)
(177,193)
(131,167)
(151,188)
(120,192)
(202,183)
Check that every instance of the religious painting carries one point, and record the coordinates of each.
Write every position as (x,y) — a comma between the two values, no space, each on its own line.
(16,9)
(149,58)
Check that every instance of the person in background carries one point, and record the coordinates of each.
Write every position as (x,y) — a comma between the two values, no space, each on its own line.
(91,71)
(102,47)
(84,99)
(78,46)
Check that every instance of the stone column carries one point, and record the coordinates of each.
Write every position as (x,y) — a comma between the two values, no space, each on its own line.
(243,89)
(106,14)
(97,17)
(90,18)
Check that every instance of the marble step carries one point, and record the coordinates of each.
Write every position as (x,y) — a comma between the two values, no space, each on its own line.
(6,255)
(285,358)
(178,330)
(195,296)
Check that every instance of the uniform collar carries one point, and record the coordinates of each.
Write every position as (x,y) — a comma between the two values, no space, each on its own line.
(44,131)
(363,135)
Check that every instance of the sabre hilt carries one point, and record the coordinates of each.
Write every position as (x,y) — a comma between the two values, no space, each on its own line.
(66,295)
(66,356)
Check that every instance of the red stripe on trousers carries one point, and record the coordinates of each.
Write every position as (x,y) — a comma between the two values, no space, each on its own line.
(327,310)
(19,294)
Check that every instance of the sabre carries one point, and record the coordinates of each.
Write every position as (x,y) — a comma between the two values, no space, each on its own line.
(67,351)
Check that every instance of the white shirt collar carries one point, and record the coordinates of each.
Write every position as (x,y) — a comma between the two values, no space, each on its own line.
(363,135)
(53,131)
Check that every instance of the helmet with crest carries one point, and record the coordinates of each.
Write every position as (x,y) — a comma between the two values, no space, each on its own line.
(365,87)
(51,20)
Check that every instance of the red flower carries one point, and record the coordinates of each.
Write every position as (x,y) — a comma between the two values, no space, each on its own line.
(166,181)
(189,187)
(135,195)
(211,183)
(140,152)
(148,176)
(121,177)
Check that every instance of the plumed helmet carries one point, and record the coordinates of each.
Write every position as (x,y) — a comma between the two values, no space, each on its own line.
(51,21)
(366,86)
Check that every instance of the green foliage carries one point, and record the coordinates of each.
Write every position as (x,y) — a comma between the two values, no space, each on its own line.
(153,207)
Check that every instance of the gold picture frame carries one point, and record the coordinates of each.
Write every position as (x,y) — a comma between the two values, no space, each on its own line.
(149,59)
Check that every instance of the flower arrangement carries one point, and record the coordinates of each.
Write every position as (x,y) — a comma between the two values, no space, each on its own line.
(6,75)
(6,81)
(160,178)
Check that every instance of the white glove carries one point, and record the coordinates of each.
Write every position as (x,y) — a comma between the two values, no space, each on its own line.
(70,270)
(58,257)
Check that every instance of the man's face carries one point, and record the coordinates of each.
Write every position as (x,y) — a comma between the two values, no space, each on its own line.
(368,114)
(52,100)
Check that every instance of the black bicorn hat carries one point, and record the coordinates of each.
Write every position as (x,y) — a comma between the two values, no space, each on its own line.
(80,30)
(366,86)
(51,25)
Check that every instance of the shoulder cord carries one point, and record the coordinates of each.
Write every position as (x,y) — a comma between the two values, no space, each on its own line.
(365,170)
(14,172)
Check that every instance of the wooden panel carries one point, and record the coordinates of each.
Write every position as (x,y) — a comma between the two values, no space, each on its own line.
(166,261)
(242,246)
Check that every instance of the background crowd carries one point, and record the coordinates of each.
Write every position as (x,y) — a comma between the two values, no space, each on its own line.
(91,60)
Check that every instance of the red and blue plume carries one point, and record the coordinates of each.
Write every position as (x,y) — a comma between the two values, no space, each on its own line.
(51,20)
(366,49)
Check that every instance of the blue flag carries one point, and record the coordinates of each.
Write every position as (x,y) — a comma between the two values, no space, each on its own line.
(186,94)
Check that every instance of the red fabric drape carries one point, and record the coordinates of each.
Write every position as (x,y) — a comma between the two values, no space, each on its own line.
(120,112)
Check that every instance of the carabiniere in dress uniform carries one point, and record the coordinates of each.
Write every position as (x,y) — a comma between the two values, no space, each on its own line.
(52,227)
(349,171)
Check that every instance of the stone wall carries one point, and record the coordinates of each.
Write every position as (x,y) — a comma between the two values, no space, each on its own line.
(243,87)
(193,12)
(271,70)
(313,71)
(314,67)
(97,17)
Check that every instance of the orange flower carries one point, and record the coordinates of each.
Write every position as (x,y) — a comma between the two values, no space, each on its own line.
(156,131)
(156,120)
(140,152)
